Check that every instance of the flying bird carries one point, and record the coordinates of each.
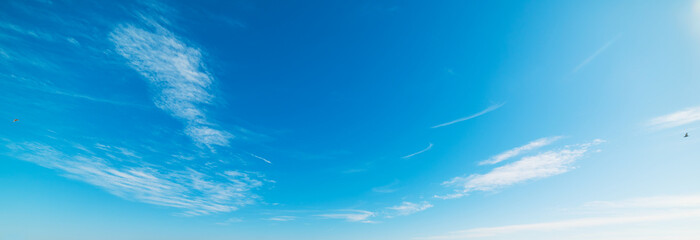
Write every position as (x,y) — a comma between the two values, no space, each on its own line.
(686,135)
(15,120)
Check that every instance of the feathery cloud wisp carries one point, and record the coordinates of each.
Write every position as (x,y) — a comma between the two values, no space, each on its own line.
(195,192)
(542,165)
(518,150)
(44,87)
(178,75)
(27,32)
(408,208)
(261,158)
(485,111)
(430,145)
(350,215)
(683,117)
(596,53)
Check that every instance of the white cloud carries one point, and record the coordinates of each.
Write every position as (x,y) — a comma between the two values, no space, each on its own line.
(261,158)
(118,150)
(73,41)
(686,116)
(596,53)
(430,145)
(485,111)
(350,215)
(195,192)
(640,210)
(178,75)
(528,168)
(518,150)
(208,136)
(450,196)
(408,208)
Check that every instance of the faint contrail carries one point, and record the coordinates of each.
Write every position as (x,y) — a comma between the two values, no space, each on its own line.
(489,109)
(419,152)
(261,158)
(599,51)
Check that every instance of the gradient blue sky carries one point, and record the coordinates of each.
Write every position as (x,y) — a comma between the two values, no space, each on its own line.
(349,120)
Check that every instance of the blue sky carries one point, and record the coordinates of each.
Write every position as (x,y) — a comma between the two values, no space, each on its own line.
(349,120)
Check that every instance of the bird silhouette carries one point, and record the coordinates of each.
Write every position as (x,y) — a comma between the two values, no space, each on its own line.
(686,135)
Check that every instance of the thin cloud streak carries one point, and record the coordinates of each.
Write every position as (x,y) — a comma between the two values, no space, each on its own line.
(485,111)
(518,150)
(640,210)
(43,87)
(100,100)
(261,158)
(26,32)
(683,117)
(350,216)
(430,145)
(408,208)
(568,224)
(597,52)
(539,166)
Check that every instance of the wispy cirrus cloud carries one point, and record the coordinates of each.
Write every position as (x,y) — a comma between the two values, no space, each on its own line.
(350,215)
(485,111)
(518,150)
(430,146)
(25,32)
(31,84)
(118,150)
(195,192)
(408,208)
(596,53)
(539,166)
(177,74)
(679,118)
(611,213)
